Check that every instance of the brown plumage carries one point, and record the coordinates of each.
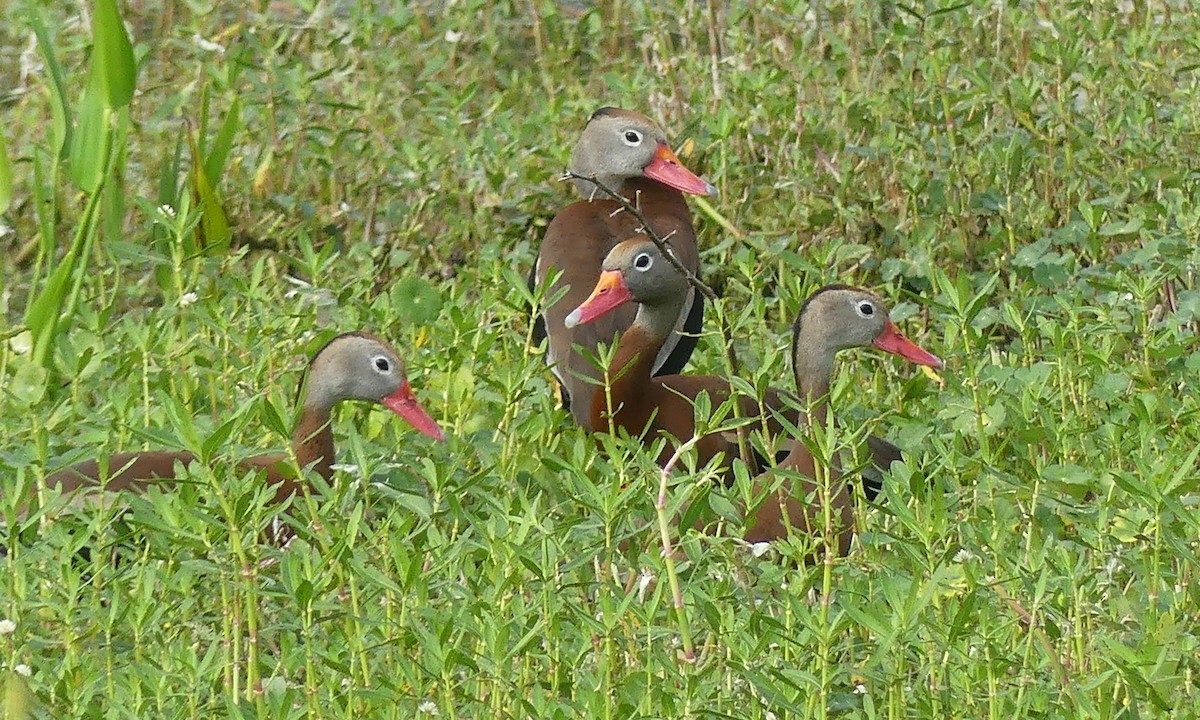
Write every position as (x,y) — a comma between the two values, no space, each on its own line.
(834,318)
(636,273)
(352,366)
(628,153)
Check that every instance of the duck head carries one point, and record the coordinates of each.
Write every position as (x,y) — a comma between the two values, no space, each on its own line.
(618,145)
(359,366)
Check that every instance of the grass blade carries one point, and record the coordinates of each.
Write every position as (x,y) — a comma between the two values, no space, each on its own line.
(5,176)
(60,110)
(214,233)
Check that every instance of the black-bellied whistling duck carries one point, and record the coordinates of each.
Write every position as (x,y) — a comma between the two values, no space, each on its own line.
(353,366)
(834,318)
(644,406)
(628,153)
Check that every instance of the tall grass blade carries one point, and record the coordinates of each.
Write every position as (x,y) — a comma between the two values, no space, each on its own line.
(218,154)
(5,176)
(60,110)
(214,234)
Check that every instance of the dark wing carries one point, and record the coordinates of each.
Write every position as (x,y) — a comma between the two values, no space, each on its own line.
(685,342)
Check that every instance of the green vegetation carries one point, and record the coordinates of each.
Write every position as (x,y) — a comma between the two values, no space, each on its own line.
(1019,179)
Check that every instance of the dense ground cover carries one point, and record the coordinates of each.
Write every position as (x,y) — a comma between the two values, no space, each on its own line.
(1019,181)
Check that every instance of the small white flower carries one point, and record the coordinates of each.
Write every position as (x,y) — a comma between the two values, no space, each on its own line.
(963,555)
(759,549)
(187,299)
(167,210)
(428,707)
(860,689)
(453,36)
(7,627)
(644,581)
(208,45)
(23,670)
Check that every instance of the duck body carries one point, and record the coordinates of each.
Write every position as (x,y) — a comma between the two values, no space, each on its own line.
(352,366)
(627,152)
(648,408)
(635,272)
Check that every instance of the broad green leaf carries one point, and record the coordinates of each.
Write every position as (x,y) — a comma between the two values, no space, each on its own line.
(112,55)
(28,384)
(113,207)
(89,141)
(417,299)
(19,702)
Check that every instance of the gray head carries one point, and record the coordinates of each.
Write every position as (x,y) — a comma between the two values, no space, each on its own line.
(650,278)
(618,145)
(635,270)
(840,317)
(360,366)
(353,366)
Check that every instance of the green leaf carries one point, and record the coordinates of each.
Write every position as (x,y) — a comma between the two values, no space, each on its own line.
(60,132)
(112,56)
(88,148)
(417,299)
(218,437)
(5,176)
(45,181)
(19,701)
(218,154)
(214,235)
(42,316)
(28,384)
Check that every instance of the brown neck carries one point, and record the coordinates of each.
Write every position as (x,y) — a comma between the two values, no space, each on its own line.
(814,374)
(628,377)
(313,441)
(812,364)
(644,191)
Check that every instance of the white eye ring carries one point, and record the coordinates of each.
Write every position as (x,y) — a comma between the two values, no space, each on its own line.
(382,364)
(632,138)
(865,308)
(643,262)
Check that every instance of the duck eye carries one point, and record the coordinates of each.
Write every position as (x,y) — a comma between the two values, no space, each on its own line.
(866,309)
(643,262)
(632,138)
(382,364)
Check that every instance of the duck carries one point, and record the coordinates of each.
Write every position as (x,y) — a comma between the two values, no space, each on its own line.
(834,318)
(351,366)
(636,272)
(628,153)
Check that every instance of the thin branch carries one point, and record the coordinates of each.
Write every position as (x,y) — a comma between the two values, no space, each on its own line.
(659,241)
